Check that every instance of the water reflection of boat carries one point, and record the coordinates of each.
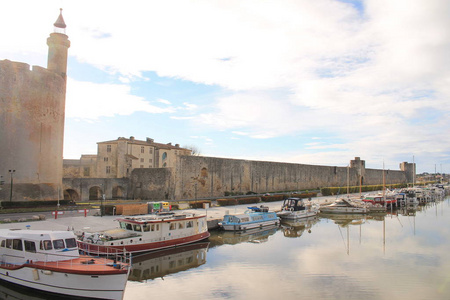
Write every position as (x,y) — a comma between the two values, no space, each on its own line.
(344,220)
(16,292)
(161,263)
(256,235)
(296,228)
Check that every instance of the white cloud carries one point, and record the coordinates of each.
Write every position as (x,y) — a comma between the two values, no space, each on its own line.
(87,100)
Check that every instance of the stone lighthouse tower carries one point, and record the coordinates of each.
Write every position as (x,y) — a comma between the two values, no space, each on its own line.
(32,105)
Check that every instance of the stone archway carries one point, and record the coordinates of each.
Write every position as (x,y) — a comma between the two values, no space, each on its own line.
(71,195)
(118,192)
(95,193)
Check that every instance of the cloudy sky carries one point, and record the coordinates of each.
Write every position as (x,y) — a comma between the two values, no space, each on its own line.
(301,81)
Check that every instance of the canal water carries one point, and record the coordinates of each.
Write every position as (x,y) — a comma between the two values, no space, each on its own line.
(404,254)
(400,255)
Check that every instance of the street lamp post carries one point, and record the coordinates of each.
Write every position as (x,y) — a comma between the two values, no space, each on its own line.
(11,172)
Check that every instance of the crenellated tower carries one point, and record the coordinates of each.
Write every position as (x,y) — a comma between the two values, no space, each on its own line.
(32,112)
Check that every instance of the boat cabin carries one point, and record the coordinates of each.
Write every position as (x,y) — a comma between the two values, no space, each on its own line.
(293,204)
(18,246)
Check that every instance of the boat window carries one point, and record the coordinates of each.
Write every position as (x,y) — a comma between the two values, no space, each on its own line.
(29,246)
(17,244)
(181,225)
(71,243)
(3,243)
(157,227)
(246,219)
(123,225)
(146,227)
(137,227)
(256,218)
(8,243)
(128,226)
(189,224)
(46,245)
(58,244)
(173,226)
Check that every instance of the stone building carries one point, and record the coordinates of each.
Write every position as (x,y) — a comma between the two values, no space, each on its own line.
(32,106)
(118,158)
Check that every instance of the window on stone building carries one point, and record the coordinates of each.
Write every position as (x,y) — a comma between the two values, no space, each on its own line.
(164,156)
(108,148)
(108,169)
(150,150)
(86,171)
(105,158)
(142,160)
(150,160)
(142,149)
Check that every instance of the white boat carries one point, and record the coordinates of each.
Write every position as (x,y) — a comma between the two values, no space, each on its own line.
(146,233)
(49,261)
(296,208)
(254,217)
(344,206)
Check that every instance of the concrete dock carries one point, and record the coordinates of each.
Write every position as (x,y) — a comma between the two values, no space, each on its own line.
(78,222)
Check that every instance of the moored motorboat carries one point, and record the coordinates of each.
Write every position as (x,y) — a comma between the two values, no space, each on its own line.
(344,206)
(297,208)
(254,217)
(49,261)
(146,233)
(387,201)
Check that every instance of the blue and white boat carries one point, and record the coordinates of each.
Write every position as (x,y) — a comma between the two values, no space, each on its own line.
(254,217)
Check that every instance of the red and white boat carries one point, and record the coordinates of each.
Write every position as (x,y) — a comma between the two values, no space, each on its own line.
(386,201)
(146,233)
(49,261)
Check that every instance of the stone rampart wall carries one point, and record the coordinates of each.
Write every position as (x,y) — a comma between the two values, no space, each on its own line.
(31,129)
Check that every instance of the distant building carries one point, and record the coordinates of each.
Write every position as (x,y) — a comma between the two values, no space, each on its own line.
(118,158)
(32,103)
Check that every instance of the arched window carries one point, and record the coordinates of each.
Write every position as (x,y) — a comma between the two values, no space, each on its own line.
(164,156)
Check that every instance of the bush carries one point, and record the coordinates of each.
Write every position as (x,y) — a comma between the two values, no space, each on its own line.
(273,198)
(329,191)
(199,204)
(304,195)
(248,200)
(34,204)
(226,202)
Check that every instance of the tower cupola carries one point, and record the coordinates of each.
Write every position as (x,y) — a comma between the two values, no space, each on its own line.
(60,25)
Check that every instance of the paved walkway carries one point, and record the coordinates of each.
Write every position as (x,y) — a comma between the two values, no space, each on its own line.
(79,223)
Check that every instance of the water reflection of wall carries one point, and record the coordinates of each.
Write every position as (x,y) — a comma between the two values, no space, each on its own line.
(256,235)
(161,263)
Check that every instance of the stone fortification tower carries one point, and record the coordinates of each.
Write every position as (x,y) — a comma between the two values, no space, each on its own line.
(32,105)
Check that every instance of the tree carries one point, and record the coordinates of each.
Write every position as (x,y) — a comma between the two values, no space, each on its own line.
(195,151)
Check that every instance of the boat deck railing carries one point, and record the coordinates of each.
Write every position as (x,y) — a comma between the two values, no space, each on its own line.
(117,260)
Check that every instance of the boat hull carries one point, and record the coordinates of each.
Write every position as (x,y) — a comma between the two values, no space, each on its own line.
(343,210)
(141,247)
(295,215)
(107,286)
